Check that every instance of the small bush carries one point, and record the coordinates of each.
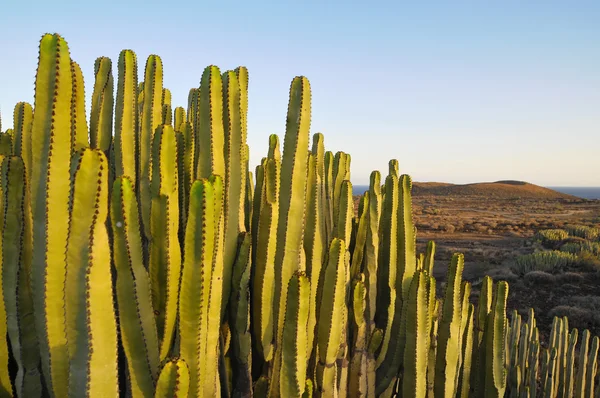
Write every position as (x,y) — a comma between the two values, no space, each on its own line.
(502,274)
(578,317)
(549,261)
(583,246)
(539,278)
(588,262)
(549,237)
(584,232)
(569,277)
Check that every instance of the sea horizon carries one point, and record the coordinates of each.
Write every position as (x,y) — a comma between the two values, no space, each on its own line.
(580,192)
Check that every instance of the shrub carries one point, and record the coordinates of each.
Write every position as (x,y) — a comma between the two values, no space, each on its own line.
(588,262)
(569,277)
(578,317)
(539,278)
(582,231)
(583,246)
(549,237)
(549,261)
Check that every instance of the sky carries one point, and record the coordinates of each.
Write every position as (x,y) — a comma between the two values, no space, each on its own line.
(457,91)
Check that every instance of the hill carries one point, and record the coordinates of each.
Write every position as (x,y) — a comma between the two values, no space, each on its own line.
(497,190)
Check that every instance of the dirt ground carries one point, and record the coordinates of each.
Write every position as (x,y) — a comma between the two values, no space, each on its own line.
(492,232)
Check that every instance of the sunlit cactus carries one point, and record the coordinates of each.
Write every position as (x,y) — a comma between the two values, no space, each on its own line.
(152,261)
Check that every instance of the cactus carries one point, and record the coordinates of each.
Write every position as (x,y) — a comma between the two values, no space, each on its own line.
(449,342)
(150,119)
(331,317)
(239,318)
(88,289)
(235,173)
(165,252)
(289,251)
(102,105)
(174,380)
(137,323)
(126,117)
(22,119)
(495,373)
(51,152)
(79,126)
(229,287)
(201,282)
(294,354)
(420,300)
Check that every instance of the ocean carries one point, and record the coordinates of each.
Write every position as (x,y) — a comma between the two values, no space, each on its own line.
(582,192)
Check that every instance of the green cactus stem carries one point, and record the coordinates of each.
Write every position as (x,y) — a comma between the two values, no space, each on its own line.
(150,114)
(174,380)
(126,117)
(22,120)
(289,252)
(50,189)
(165,252)
(136,322)
(79,126)
(102,105)
(89,285)
(235,174)
(179,116)
(239,319)
(294,354)
(264,270)
(200,293)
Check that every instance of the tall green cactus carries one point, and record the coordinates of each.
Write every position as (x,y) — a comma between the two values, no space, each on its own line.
(150,119)
(289,251)
(495,372)
(126,117)
(22,120)
(331,317)
(89,285)
(102,105)
(51,153)
(210,148)
(235,173)
(179,116)
(79,126)
(5,384)
(165,252)
(174,380)
(294,351)
(239,318)
(199,303)
(263,280)
(137,323)
(16,285)
(449,342)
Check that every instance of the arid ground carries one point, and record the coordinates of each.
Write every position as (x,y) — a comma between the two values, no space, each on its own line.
(492,224)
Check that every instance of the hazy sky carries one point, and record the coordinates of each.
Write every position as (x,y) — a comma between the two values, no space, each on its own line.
(457,91)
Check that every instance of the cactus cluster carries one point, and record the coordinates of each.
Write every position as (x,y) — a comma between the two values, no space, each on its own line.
(558,370)
(149,260)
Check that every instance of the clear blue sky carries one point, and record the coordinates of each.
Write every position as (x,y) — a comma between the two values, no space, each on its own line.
(457,91)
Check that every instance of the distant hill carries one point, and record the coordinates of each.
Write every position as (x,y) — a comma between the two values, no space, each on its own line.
(499,190)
